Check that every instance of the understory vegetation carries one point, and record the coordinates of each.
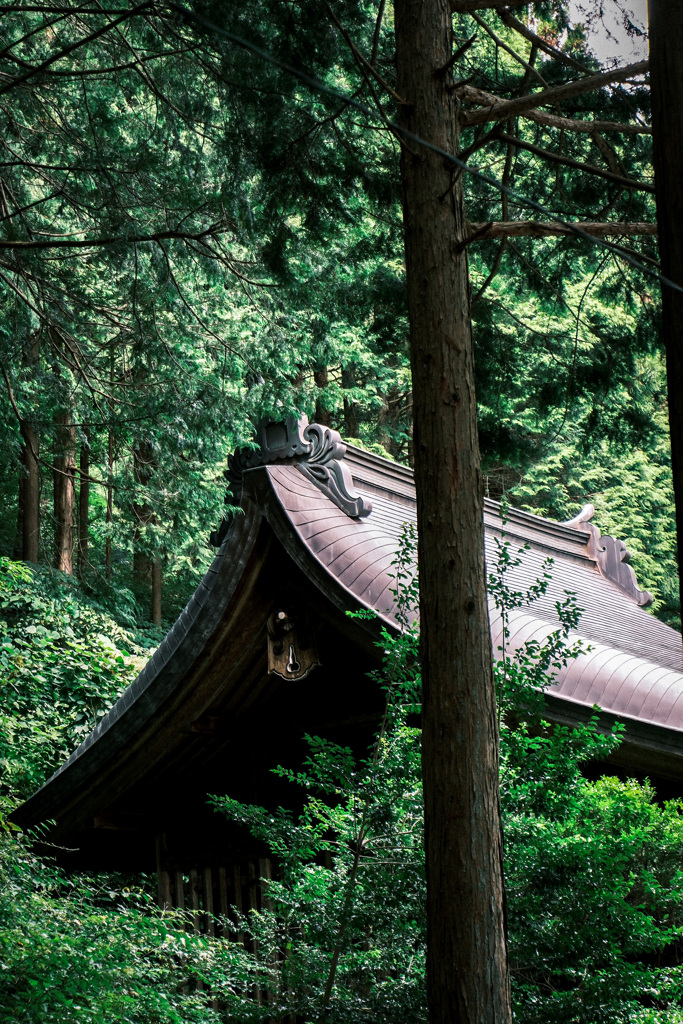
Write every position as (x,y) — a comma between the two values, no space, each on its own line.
(593,868)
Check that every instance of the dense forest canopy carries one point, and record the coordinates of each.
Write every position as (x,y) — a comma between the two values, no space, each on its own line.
(192,237)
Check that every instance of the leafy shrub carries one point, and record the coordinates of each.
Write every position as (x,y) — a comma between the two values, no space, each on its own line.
(63,663)
(593,876)
(74,952)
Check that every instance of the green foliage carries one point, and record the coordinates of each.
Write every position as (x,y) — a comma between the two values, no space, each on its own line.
(352,931)
(63,662)
(594,884)
(74,951)
(291,295)
(595,889)
(280,284)
(630,487)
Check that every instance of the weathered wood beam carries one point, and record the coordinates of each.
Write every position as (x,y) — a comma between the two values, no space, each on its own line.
(544,229)
(501,110)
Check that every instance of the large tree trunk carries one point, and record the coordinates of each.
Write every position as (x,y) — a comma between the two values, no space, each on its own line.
(29,481)
(321,379)
(84,502)
(466,957)
(64,491)
(157,578)
(348,381)
(666,83)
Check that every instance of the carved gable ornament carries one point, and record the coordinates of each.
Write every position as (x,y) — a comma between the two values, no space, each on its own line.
(316,451)
(612,557)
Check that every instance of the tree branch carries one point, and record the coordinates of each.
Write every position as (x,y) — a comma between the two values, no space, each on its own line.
(544,229)
(73,243)
(468,6)
(508,49)
(74,46)
(501,110)
(360,59)
(552,51)
(26,438)
(567,161)
(487,99)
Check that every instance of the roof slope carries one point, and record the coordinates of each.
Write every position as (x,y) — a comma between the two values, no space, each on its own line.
(635,665)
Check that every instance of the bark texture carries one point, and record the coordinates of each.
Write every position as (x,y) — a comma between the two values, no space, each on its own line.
(467,956)
(666,83)
(29,494)
(348,381)
(147,570)
(64,491)
(84,502)
(321,379)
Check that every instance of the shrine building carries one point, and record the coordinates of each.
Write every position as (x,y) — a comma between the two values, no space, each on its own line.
(265,652)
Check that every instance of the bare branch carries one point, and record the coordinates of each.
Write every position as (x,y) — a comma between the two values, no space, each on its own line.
(360,59)
(567,161)
(544,229)
(468,6)
(508,49)
(552,51)
(487,99)
(495,267)
(73,243)
(501,110)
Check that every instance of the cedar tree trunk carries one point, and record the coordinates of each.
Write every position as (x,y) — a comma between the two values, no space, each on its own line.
(666,83)
(348,381)
(467,973)
(321,378)
(29,494)
(64,491)
(146,569)
(84,502)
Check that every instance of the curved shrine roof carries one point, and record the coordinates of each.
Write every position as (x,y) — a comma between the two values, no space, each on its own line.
(316,501)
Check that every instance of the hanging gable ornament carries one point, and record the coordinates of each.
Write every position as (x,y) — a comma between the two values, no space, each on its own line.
(292,653)
(317,452)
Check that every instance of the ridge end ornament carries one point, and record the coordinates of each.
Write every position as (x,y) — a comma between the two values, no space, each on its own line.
(611,555)
(324,466)
(275,440)
(317,451)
